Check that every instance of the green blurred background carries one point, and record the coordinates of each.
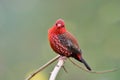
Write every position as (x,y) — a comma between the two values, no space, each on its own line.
(23,36)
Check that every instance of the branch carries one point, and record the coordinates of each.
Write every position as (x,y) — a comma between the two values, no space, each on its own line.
(60,64)
(43,67)
(57,68)
(96,72)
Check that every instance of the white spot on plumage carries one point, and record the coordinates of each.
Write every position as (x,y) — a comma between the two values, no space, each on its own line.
(58,47)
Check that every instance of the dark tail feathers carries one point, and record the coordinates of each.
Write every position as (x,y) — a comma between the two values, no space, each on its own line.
(85,63)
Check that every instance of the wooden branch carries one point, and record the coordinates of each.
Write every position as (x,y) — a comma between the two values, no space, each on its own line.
(57,68)
(43,67)
(96,72)
(60,64)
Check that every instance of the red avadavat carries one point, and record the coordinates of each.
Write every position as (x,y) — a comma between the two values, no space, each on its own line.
(64,43)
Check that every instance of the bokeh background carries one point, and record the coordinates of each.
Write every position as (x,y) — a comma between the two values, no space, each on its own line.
(23,37)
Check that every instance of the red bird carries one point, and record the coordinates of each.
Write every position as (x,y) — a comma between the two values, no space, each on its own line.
(64,43)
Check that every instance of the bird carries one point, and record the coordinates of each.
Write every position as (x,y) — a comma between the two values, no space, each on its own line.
(64,43)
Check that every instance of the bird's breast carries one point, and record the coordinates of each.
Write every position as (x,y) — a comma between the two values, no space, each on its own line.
(57,46)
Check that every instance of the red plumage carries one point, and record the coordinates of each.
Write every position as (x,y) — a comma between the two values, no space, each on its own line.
(64,43)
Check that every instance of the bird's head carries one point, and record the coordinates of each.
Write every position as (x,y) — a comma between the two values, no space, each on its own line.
(59,23)
(58,27)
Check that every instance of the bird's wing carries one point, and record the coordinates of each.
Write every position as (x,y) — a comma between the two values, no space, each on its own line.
(69,41)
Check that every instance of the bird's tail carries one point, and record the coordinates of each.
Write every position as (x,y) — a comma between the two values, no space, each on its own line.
(79,58)
(85,63)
